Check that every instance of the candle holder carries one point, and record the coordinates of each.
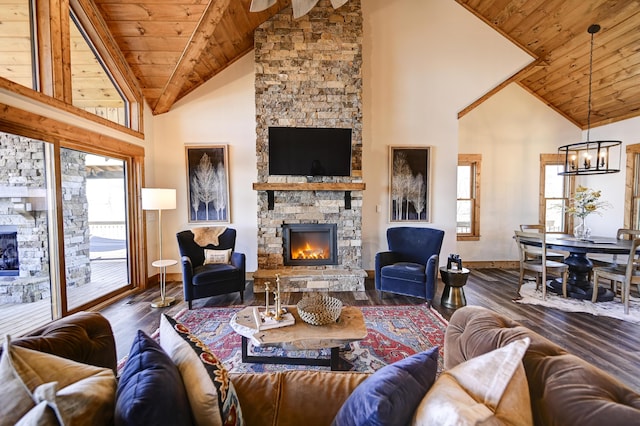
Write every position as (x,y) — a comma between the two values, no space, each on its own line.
(267,289)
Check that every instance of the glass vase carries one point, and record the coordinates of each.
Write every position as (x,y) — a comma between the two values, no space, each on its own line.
(582,231)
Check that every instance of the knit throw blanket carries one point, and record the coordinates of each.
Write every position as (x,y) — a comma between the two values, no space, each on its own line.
(207,235)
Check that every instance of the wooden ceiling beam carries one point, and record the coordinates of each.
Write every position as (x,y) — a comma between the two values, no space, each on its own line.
(517,77)
(205,29)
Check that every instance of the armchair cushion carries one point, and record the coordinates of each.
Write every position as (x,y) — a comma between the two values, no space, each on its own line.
(405,271)
(205,274)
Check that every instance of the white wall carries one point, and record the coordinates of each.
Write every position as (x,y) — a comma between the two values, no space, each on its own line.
(418,73)
(510,130)
(222,111)
(423,62)
(613,185)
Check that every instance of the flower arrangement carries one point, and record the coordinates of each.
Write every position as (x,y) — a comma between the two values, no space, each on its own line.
(586,201)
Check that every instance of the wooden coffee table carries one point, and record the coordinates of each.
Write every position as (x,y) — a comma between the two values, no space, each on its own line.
(301,336)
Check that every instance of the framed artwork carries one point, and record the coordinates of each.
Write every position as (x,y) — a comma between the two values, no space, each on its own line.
(409,182)
(208,183)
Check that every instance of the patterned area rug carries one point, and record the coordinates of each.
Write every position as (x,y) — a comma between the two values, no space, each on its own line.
(394,332)
(613,309)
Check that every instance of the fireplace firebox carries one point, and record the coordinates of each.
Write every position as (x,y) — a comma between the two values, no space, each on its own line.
(9,264)
(310,244)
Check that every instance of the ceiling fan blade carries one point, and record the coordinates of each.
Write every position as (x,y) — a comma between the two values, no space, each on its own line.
(337,3)
(260,5)
(302,7)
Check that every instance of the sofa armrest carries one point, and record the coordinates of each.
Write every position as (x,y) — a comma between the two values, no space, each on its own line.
(239,261)
(564,389)
(294,397)
(383,259)
(84,337)
(431,272)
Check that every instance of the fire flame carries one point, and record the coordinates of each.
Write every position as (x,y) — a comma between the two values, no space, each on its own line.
(308,252)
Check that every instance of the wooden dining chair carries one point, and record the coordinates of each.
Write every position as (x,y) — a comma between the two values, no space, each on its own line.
(534,252)
(627,274)
(540,264)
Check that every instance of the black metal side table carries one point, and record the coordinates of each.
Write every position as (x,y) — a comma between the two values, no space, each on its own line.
(453,293)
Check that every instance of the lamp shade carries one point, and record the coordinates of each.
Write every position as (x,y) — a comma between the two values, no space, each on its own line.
(158,199)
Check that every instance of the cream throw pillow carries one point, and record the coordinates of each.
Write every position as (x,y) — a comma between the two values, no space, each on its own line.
(491,389)
(40,388)
(202,394)
(216,256)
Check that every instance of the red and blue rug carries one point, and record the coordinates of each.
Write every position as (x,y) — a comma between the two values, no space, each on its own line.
(394,333)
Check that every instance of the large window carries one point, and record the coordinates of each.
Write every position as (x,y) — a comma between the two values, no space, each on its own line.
(71,226)
(632,194)
(555,191)
(16,47)
(92,87)
(45,52)
(468,196)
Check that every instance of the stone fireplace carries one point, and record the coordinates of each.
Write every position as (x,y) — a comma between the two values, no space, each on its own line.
(308,74)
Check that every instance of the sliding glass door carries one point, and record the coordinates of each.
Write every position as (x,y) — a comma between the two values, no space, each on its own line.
(56,257)
(94,215)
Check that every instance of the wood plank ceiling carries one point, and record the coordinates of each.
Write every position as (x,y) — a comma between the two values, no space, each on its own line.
(175,46)
(555,33)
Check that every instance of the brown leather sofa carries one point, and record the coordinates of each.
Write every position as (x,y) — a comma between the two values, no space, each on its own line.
(564,389)
(84,337)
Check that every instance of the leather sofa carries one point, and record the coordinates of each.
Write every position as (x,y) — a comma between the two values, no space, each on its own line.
(565,390)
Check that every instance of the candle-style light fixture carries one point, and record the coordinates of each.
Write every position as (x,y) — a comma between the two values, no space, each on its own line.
(590,157)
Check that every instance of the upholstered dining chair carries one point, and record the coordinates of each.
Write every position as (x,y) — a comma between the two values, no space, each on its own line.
(534,252)
(410,266)
(538,264)
(210,264)
(627,274)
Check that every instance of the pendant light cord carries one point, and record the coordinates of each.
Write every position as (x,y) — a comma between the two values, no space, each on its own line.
(591,30)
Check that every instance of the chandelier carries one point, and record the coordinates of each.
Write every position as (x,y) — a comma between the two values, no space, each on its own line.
(300,7)
(590,157)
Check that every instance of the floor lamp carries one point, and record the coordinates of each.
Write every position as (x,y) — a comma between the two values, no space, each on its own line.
(160,199)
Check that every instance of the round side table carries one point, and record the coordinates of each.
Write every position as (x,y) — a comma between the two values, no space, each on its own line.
(454,280)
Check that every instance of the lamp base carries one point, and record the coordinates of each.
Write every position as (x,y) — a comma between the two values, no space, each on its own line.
(163,303)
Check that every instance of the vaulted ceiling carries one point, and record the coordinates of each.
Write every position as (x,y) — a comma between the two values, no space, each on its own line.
(174,46)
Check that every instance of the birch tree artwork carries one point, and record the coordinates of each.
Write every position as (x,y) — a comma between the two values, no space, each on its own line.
(208,184)
(409,184)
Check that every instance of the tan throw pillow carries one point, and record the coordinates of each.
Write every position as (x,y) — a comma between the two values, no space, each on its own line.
(489,389)
(216,256)
(40,388)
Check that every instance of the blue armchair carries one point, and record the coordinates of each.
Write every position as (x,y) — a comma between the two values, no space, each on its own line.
(410,267)
(211,279)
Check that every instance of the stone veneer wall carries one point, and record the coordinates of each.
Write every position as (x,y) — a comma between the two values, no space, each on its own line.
(23,162)
(308,74)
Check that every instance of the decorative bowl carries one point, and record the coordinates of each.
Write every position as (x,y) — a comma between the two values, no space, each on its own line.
(319,310)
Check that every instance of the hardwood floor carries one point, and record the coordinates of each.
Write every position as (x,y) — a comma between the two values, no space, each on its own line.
(607,343)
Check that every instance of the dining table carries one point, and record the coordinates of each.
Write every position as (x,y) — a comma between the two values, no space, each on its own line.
(579,285)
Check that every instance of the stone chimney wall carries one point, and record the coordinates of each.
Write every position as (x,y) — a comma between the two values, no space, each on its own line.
(309,74)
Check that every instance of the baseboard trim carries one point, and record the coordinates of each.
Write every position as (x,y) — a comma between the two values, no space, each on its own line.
(476,264)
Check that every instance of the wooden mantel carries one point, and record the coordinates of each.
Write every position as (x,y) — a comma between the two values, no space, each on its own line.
(309,186)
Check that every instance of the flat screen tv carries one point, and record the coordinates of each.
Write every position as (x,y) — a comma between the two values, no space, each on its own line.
(309,151)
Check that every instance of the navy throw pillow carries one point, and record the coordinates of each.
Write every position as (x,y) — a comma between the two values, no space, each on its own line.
(150,389)
(392,394)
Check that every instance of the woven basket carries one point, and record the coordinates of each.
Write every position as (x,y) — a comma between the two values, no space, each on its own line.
(319,310)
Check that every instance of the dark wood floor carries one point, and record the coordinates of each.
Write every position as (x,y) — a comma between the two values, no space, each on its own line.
(610,344)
